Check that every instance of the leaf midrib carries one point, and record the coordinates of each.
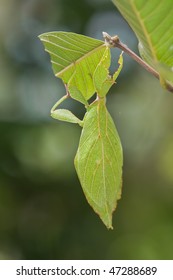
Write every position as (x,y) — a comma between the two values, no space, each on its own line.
(144,30)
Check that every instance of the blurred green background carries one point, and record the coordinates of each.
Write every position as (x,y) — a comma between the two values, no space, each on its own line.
(43,212)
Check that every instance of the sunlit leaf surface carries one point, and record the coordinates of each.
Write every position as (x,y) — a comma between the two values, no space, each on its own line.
(152,21)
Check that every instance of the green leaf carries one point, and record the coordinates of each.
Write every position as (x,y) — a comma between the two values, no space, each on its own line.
(66,116)
(74,59)
(99,161)
(152,22)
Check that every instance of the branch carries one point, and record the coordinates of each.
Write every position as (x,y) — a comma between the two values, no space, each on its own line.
(116,43)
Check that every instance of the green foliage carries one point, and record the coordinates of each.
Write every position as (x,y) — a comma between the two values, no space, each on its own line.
(82,63)
(152,22)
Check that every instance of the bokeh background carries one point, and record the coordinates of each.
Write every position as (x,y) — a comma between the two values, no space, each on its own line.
(43,212)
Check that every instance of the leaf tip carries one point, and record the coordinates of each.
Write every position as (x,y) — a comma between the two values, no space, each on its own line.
(40,36)
(110,227)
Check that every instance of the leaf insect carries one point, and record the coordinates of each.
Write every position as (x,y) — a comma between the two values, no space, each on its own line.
(99,157)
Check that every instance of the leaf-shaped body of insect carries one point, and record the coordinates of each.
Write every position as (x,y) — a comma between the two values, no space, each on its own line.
(99,161)
(83,65)
(74,59)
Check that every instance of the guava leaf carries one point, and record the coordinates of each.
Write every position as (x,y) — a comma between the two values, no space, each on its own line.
(99,161)
(74,59)
(152,22)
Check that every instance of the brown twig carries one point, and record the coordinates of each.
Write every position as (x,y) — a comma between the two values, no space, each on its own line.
(116,43)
